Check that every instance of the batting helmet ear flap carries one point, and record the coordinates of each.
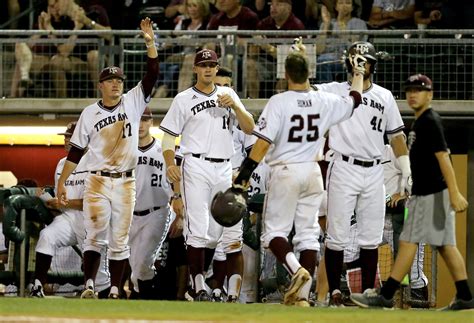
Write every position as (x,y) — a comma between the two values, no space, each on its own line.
(228,207)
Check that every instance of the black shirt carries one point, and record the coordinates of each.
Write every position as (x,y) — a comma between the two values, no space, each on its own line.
(426,138)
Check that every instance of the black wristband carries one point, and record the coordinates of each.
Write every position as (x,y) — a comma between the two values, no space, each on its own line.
(245,171)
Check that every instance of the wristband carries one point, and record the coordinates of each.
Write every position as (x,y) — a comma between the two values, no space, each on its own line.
(246,170)
(176,196)
(404,163)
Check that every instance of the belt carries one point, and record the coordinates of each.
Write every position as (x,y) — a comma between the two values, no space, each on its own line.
(362,163)
(212,160)
(128,173)
(146,212)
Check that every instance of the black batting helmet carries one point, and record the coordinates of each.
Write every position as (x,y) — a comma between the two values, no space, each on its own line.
(228,207)
(363,48)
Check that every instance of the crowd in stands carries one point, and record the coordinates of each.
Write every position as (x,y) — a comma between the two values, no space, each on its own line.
(176,61)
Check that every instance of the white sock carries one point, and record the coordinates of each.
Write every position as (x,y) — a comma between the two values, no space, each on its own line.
(235,282)
(199,283)
(90,283)
(304,291)
(114,290)
(37,283)
(292,263)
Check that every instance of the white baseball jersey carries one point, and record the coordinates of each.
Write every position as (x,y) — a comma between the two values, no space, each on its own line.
(295,122)
(152,187)
(379,113)
(205,127)
(74,186)
(259,179)
(111,135)
(149,230)
(242,142)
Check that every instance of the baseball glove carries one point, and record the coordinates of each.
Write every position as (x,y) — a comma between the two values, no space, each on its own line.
(228,207)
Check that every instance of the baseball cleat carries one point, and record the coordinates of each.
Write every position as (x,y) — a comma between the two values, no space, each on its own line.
(217,296)
(458,305)
(297,282)
(232,299)
(336,299)
(371,298)
(89,293)
(37,292)
(113,296)
(302,303)
(202,296)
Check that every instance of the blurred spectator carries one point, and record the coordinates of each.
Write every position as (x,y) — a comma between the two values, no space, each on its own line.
(305,10)
(392,14)
(10,11)
(62,58)
(330,49)
(174,9)
(443,14)
(281,18)
(331,7)
(181,59)
(366,8)
(233,16)
(261,8)
(428,13)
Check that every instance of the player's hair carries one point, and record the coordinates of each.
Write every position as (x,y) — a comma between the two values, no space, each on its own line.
(224,72)
(297,67)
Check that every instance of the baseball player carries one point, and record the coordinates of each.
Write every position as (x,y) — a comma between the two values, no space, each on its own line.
(151,217)
(432,206)
(204,115)
(67,228)
(242,146)
(109,129)
(355,175)
(290,128)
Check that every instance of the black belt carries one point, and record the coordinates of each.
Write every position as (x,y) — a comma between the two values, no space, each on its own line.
(146,212)
(212,160)
(361,162)
(113,175)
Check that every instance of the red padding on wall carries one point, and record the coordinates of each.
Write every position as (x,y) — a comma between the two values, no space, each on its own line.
(35,162)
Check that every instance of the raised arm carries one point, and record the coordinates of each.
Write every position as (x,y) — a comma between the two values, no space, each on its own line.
(151,75)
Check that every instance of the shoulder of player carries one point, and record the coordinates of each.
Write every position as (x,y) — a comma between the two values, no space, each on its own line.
(186,95)
(379,89)
(92,108)
(330,86)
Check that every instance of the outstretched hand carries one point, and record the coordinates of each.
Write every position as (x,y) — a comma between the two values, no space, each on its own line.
(298,46)
(146,26)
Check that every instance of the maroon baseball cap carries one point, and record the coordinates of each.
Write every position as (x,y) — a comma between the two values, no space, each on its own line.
(69,129)
(205,55)
(147,113)
(419,81)
(111,72)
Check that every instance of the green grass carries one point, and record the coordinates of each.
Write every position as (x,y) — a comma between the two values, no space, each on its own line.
(154,310)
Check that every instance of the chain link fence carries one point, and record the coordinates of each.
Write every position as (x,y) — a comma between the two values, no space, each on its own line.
(33,63)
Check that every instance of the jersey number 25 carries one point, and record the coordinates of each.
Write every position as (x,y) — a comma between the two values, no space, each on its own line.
(300,125)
